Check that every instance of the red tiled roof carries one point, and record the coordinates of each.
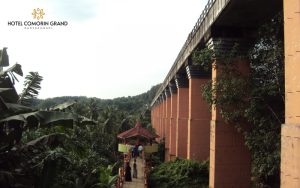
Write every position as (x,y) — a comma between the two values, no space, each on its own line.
(138,130)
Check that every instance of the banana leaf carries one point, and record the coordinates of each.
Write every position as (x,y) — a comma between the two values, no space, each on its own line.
(8,91)
(43,118)
(4,60)
(16,68)
(9,109)
(17,108)
(63,106)
(85,121)
(52,140)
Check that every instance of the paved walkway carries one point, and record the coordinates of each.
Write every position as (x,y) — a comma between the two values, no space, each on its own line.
(139,181)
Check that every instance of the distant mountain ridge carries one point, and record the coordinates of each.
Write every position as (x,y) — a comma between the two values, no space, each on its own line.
(130,103)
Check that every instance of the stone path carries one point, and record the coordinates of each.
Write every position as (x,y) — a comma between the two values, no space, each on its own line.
(139,181)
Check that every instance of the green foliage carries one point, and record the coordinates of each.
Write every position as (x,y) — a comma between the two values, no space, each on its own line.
(266,109)
(156,158)
(254,102)
(161,150)
(4,61)
(31,88)
(52,148)
(203,57)
(59,146)
(134,105)
(179,173)
(107,180)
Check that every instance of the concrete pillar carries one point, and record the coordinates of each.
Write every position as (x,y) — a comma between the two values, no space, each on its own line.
(229,157)
(156,117)
(167,124)
(182,115)
(161,112)
(160,118)
(173,120)
(153,109)
(290,132)
(158,111)
(199,115)
(163,126)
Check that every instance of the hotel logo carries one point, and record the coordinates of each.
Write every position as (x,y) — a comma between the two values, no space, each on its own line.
(38,21)
(38,13)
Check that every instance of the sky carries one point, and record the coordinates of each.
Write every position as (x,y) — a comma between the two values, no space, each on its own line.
(109,49)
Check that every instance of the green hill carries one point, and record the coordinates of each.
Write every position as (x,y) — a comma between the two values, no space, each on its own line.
(131,104)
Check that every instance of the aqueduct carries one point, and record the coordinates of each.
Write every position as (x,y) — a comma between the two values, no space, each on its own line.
(182,117)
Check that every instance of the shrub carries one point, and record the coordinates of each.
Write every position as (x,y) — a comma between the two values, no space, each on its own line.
(179,173)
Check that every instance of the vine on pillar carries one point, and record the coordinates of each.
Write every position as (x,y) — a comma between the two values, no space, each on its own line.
(257,99)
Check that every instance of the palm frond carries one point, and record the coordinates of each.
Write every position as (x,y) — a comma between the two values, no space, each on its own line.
(31,88)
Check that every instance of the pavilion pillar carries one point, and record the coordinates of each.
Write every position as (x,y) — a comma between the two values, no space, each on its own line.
(230,159)
(182,115)
(173,120)
(199,115)
(290,131)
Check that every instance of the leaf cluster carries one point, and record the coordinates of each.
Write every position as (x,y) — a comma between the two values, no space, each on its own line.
(179,173)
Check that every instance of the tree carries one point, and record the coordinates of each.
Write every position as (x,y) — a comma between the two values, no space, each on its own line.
(38,147)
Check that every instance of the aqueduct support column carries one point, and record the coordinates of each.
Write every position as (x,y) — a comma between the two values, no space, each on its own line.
(153,116)
(230,161)
(157,117)
(167,124)
(290,132)
(173,120)
(199,115)
(163,126)
(182,115)
(160,117)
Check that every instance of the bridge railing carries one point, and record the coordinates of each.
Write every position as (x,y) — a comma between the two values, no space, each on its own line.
(202,23)
(196,27)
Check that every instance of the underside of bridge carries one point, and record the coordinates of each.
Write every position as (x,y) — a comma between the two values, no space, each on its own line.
(183,118)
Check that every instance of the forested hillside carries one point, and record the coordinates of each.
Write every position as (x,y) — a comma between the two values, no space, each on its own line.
(131,104)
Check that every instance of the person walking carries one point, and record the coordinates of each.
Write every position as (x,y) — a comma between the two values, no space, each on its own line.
(128,172)
(136,151)
(134,175)
(140,148)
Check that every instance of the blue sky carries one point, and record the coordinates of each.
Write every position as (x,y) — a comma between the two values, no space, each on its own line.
(110,48)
